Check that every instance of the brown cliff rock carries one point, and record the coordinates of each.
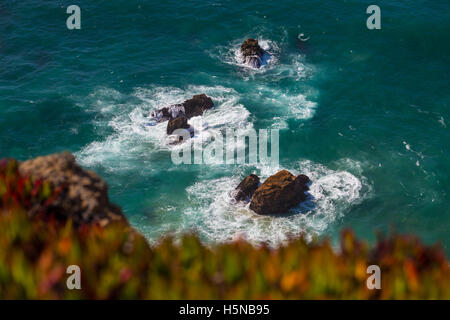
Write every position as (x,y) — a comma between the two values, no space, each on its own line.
(84,195)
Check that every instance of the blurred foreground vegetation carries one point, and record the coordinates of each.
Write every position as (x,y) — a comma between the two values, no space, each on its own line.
(117,263)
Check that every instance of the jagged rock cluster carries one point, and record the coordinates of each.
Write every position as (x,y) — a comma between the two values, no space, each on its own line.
(178,115)
(252,53)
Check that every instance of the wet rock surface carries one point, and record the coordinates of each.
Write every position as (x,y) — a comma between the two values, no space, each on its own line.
(177,123)
(246,188)
(279,193)
(189,108)
(83,196)
(252,53)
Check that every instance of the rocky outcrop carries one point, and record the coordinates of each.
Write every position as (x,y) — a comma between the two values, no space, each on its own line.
(252,53)
(190,108)
(279,193)
(177,123)
(246,188)
(168,113)
(84,195)
(179,114)
(197,105)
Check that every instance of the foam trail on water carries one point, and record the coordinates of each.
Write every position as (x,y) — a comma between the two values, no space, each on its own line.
(283,105)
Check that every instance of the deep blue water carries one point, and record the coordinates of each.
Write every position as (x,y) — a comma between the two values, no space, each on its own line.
(365,113)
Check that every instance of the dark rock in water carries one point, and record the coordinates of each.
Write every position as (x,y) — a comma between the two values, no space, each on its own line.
(197,105)
(279,193)
(177,123)
(252,53)
(251,47)
(178,138)
(245,189)
(190,108)
(178,115)
(303,180)
(84,195)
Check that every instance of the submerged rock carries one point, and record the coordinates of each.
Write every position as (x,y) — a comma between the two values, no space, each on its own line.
(84,195)
(279,193)
(246,188)
(252,53)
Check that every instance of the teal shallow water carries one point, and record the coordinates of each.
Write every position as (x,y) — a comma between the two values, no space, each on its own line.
(364,113)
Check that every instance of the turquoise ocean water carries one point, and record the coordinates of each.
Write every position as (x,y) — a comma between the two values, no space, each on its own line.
(365,113)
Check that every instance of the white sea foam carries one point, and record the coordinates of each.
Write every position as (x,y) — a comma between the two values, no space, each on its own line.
(130,135)
(136,136)
(284,104)
(295,69)
(232,54)
(131,140)
(216,216)
(408,147)
(287,105)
